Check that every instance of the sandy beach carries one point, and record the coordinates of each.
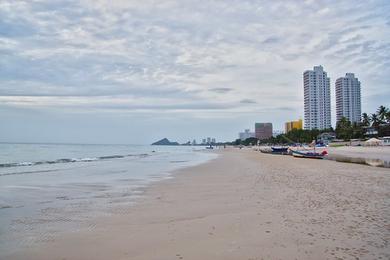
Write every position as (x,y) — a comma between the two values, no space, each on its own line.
(371,152)
(244,205)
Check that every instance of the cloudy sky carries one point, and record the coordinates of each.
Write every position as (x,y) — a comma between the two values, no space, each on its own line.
(128,71)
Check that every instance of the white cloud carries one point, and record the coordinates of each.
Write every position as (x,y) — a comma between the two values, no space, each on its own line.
(186,49)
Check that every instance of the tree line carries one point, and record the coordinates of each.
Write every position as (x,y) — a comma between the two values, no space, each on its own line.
(345,130)
(379,123)
(294,136)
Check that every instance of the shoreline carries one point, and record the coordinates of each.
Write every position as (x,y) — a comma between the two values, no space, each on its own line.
(373,152)
(50,200)
(244,205)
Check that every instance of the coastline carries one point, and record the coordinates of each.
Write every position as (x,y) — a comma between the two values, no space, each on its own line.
(244,205)
(39,202)
(369,152)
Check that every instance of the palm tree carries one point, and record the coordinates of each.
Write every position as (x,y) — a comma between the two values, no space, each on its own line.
(381,112)
(388,117)
(365,119)
(375,120)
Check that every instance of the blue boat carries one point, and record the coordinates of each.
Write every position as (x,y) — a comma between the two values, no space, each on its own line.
(281,150)
(276,150)
(309,155)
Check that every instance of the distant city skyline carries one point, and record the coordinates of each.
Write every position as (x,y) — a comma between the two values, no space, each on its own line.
(135,72)
(246,134)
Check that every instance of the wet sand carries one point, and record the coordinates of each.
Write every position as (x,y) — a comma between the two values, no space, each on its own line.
(370,152)
(245,205)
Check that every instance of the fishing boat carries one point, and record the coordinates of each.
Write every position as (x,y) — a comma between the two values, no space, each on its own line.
(276,150)
(308,154)
(279,150)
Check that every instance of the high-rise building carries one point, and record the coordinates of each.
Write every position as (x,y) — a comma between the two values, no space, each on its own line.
(246,134)
(348,99)
(317,99)
(263,130)
(213,141)
(288,126)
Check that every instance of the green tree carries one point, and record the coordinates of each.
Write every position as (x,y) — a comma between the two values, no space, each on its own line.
(375,120)
(250,141)
(381,114)
(303,136)
(344,129)
(357,130)
(388,117)
(366,119)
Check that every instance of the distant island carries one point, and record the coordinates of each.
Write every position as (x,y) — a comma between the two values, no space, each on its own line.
(165,141)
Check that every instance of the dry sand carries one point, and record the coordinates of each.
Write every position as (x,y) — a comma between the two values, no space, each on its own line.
(245,205)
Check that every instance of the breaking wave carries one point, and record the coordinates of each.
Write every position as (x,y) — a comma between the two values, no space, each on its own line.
(70,160)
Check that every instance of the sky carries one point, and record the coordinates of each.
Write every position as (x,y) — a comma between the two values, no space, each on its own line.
(116,71)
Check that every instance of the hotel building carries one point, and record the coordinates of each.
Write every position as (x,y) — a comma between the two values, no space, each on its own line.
(263,130)
(348,98)
(288,126)
(316,85)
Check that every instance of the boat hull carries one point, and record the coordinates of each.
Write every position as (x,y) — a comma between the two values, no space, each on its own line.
(278,151)
(308,155)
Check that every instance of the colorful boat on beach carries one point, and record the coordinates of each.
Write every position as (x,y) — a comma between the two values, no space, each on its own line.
(309,154)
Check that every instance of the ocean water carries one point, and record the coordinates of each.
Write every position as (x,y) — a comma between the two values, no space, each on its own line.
(47,189)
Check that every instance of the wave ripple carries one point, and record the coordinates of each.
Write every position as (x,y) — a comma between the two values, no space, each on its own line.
(71,160)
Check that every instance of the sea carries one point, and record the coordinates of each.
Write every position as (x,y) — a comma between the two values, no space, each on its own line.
(48,189)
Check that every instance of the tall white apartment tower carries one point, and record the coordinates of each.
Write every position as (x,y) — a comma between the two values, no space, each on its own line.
(348,99)
(317,99)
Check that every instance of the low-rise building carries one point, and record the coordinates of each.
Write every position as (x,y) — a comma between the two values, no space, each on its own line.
(326,138)
(386,140)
